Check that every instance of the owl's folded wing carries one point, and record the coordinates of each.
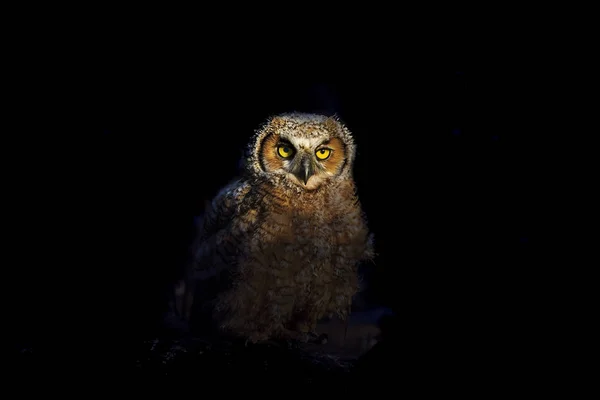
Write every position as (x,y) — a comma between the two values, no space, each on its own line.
(215,247)
(211,251)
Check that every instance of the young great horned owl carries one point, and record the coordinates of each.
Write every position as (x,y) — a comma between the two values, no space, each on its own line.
(279,248)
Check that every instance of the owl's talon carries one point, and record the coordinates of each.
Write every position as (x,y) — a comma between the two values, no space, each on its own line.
(318,339)
(322,339)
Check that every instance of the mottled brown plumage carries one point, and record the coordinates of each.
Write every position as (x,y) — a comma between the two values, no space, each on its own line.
(279,248)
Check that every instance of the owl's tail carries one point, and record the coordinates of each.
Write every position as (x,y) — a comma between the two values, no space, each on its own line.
(183,290)
(183,293)
(178,296)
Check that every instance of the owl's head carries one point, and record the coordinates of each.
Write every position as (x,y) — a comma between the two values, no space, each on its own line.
(305,150)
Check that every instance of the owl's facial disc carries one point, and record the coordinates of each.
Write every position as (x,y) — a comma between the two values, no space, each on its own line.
(308,162)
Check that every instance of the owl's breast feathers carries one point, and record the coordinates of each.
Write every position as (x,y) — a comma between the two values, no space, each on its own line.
(262,224)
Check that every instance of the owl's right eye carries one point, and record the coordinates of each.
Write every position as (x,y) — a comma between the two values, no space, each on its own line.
(285,151)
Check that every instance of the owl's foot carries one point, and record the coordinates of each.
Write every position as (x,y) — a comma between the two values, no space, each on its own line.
(288,336)
(256,338)
(306,330)
(318,339)
(306,337)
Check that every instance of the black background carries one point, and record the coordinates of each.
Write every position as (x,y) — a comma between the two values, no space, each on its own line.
(444,172)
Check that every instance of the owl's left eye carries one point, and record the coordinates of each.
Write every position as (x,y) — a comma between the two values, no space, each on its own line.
(323,154)
(285,151)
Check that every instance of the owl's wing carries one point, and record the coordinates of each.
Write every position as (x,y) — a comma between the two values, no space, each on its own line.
(213,250)
(370,248)
(217,243)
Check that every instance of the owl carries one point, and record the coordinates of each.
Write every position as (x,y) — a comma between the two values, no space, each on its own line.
(278,249)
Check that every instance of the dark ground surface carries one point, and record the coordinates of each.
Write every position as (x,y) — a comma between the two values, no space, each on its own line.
(176,356)
(105,218)
(412,362)
(286,362)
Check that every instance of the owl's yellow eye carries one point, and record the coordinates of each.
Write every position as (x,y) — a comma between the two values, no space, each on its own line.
(323,154)
(285,151)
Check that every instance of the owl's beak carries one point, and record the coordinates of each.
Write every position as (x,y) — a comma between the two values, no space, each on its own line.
(305,170)
(308,171)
